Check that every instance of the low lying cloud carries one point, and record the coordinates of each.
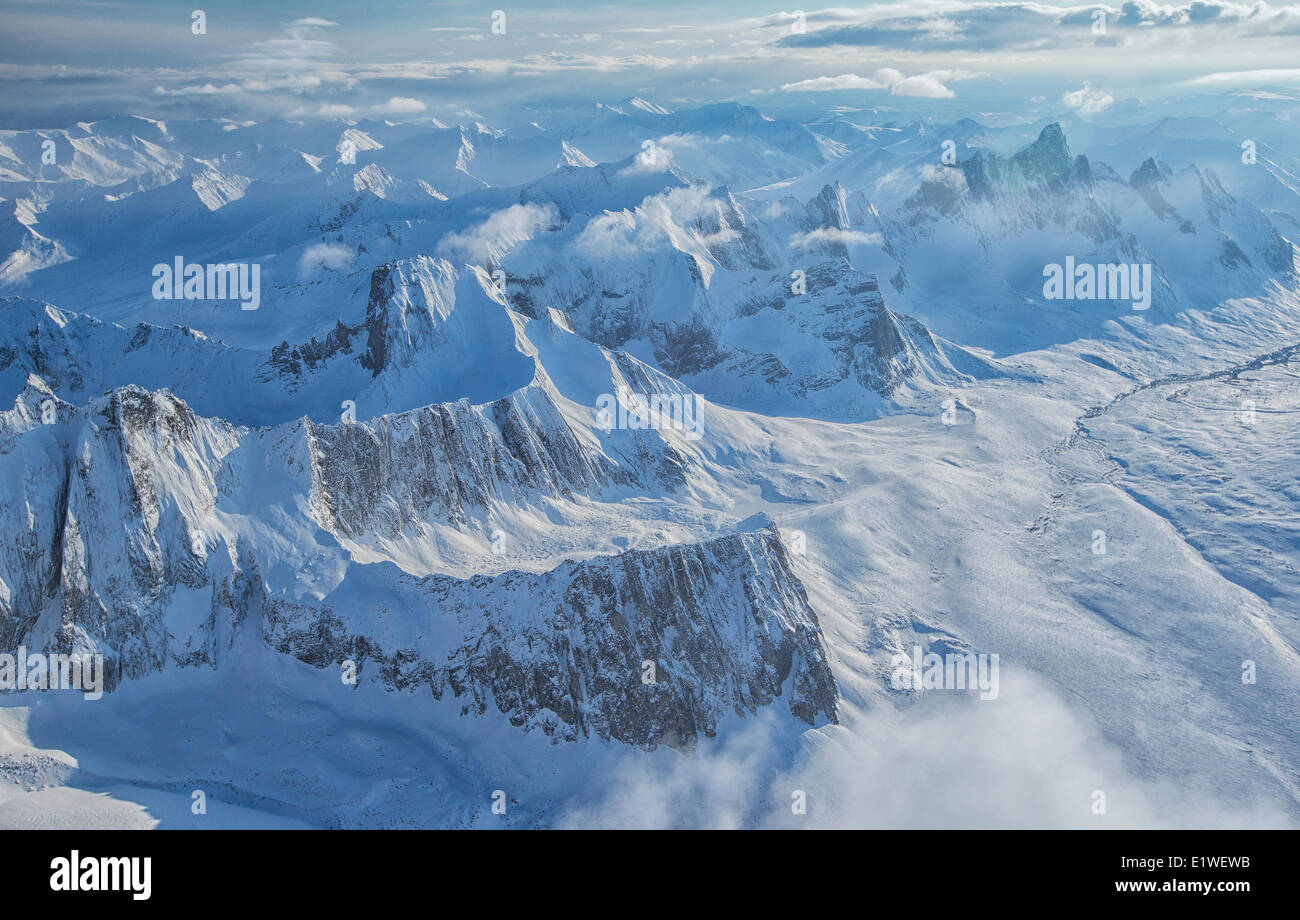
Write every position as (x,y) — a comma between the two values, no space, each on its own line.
(832,235)
(663,220)
(928,85)
(400,105)
(497,234)
(608,236)
(333,110)
(883,78)
(1025,760)
(652,159)
(332,256)
(1087,100)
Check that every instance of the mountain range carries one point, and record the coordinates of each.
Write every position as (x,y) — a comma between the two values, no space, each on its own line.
(387,513)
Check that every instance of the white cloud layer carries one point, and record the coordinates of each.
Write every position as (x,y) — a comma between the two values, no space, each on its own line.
(1023,760)
(331,256)
(927,85)
(313,66)
(831,235)
(494,236)
(1087,100)
(400,105)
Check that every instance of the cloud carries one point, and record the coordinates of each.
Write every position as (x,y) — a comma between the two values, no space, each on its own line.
(1248,78)
(982,27)
(332,256)
(281,67)
(928,85)
(832,236)
(992,26)
(691,139)
(666,219)
(205,89)
(608,237)
(400,105)
(1024,760)
(296,62)
(656,159)
(335,110)
(494,236)
(883,79)
(1087,100)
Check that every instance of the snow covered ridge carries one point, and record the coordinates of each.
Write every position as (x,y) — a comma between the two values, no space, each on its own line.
(721,626)
(136,548)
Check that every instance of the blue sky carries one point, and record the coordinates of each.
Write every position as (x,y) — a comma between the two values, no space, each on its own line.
(66,60)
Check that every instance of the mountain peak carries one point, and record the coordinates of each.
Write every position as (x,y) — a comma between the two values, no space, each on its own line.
(1046,158)
(644,105)
(1044,162)
(1150,173)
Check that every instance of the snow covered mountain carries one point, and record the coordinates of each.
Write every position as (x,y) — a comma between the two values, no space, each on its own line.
(998,219)
(622,446)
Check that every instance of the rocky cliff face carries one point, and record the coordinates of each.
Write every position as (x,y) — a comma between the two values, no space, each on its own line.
(104,539)
(650,647)
(1045,164)
(454,461)
(128,540)
(866,343)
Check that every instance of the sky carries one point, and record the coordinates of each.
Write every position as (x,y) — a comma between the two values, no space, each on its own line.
(68,60)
